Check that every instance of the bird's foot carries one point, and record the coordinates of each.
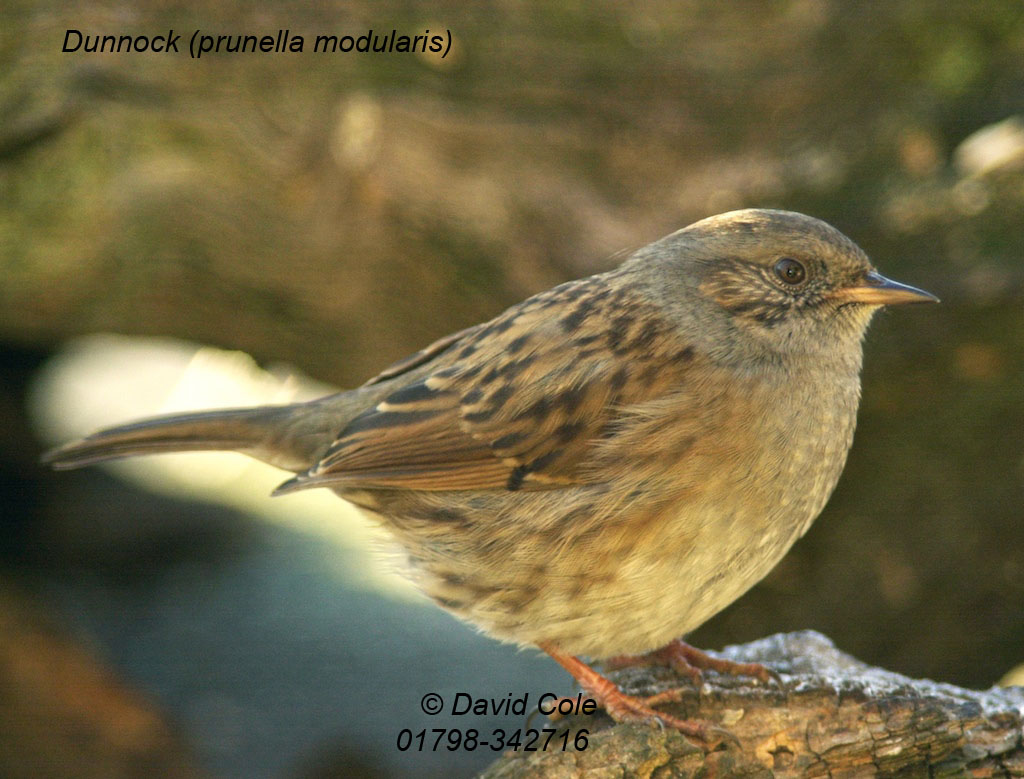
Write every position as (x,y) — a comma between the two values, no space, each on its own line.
(629,708)
(690,661)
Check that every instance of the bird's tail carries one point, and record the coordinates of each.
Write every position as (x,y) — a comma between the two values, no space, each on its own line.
(286,436)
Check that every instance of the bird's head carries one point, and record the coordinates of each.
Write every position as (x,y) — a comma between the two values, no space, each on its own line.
(783,282)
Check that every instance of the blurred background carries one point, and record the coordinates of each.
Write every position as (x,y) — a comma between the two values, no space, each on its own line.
(326,214)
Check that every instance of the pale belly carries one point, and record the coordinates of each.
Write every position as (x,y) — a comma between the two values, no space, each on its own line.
(531,571)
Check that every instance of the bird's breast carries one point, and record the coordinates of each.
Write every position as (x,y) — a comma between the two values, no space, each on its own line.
(690,503)
(785,458)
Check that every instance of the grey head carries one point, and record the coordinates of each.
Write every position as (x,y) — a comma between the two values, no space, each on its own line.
(761,284)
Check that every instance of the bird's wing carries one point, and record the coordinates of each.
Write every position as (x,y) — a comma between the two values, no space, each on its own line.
(517,403)
(422,357)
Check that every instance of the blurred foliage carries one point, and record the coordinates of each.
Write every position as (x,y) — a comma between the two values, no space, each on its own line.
(353,206)
(338,211)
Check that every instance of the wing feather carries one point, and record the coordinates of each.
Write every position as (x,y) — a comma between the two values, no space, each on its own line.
(518,403)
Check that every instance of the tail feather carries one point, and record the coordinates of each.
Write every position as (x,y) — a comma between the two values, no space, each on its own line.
(265,432)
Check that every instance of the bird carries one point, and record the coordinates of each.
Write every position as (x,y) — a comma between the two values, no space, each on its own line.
(601,468)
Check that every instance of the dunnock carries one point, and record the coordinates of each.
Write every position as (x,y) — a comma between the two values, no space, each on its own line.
(603,467)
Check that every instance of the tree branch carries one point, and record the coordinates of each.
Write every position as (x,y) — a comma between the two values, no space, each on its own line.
(833,716)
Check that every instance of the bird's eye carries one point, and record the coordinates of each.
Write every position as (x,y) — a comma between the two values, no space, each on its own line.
(790,271)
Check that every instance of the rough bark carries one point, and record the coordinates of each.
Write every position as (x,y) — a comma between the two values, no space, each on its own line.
(832,716)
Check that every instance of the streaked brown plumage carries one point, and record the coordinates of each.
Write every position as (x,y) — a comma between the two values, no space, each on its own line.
(606,465)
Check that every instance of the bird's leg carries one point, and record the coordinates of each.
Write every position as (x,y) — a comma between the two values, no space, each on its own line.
(690,661)
(629,708)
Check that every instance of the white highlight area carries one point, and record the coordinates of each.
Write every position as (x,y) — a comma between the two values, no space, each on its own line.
(103,380)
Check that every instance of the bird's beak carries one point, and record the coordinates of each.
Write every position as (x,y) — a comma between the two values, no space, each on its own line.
(877,290)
